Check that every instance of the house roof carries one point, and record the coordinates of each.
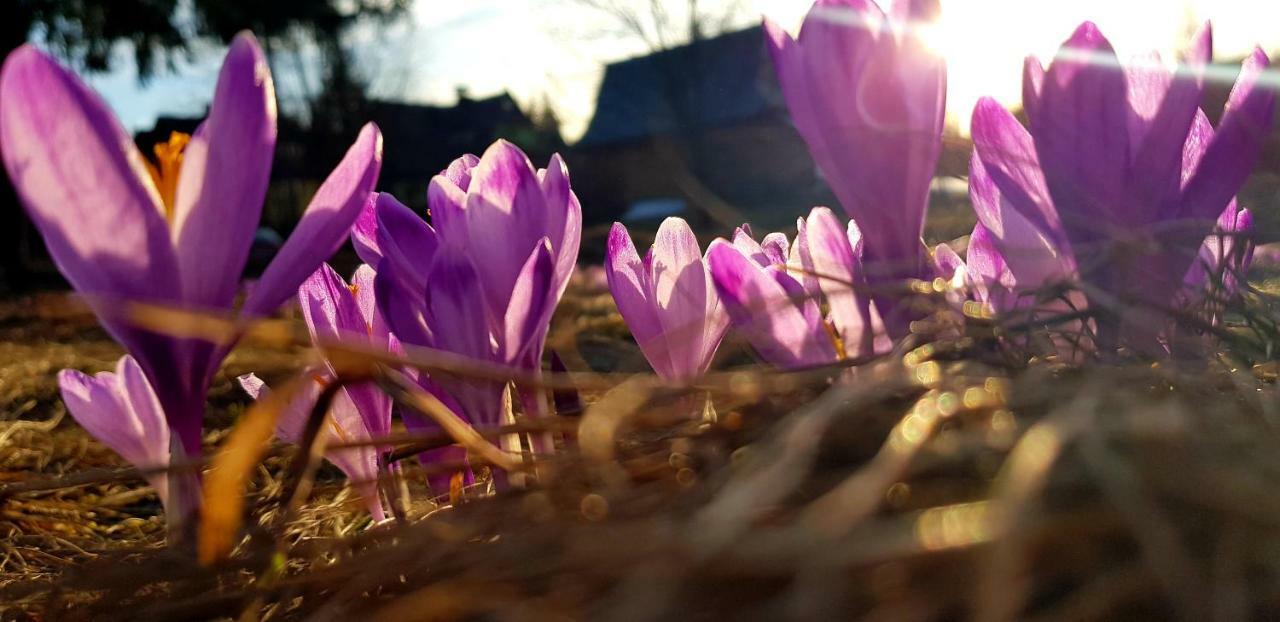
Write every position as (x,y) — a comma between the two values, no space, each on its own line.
(711,83)
(421,139)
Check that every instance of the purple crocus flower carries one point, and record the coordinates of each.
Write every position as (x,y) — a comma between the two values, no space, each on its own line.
(176,234)
(333,311)
(346,422)
(1122,168)
(120,410)
(427,290)
(983,275)
(503,215)
(667,299)
(502,209)
(869,99)
(772,293)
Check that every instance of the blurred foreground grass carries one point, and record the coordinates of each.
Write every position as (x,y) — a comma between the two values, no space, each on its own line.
(953,480)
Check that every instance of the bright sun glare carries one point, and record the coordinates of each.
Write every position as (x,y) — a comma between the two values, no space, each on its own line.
(985,41)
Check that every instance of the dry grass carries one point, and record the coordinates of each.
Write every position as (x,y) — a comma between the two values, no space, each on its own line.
(953,480)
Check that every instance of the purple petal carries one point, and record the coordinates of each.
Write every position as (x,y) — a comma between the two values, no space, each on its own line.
(362,284)
(456,311)
(324,226)
(120,410)
(224,175)
(1005,157)
(447,204)
(457,314)
(532,302)
(1081,135)
(946,261)
(459,171)
(1034,258)
(344,424)
(504,202)
(83,184)
(776,247)
(403,307)
(762,309)
(408,243)
(1236,146)
(364,233)
(1032,85)
(686,300)
(329,307)
(1165,108)
(839,273)
(632,291)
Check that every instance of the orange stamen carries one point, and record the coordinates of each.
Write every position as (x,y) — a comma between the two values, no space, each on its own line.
(165,172)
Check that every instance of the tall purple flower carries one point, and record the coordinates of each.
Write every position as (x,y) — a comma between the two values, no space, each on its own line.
(178,233)
(773,293)
(507,223)
(667,299)
(427,290)
(869,99)
(1122,168)
(499,209)
(120,410)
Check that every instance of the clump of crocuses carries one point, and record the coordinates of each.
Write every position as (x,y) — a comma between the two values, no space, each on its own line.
(1119,181)
(177,233)
(773,292)
(483,279)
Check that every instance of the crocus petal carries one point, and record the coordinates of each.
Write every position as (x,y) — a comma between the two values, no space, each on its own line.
(408,243)
(457,314)
(83,183)
(224,177)
(402,306)
(329,308)
(629,283)
(988,274)
(447,203)
(332,311)
(362,284)
(776,247)
(504,202)
(459,171)
(1236,146)
(531,305)
(1006,159)
(1157,141)
(947,262)
(120,410)
(343,425)
(1081,135)
(456,311)
(763,310)
(1034,258)
(364,233)
(1032,85)
(686,300)
(839,273)
(325,224)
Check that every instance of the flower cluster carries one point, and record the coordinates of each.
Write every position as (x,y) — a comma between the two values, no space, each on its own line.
(1118,189)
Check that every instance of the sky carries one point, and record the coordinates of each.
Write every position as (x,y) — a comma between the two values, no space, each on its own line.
(554,50)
